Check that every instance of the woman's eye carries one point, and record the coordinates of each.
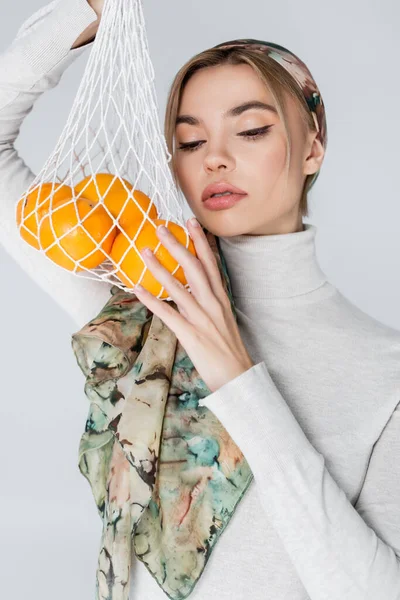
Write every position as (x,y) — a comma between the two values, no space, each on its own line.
(254,133)
(190,146)
(249,134)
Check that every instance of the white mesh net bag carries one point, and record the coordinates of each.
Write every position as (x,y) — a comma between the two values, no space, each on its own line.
(107,185)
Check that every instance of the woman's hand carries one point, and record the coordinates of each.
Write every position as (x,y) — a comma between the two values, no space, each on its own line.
(89,33)
(205,324)
(97,6)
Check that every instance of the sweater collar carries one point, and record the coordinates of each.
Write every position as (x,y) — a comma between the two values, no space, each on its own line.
(273,266)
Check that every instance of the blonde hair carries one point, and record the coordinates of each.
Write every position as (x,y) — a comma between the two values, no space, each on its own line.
(276,79)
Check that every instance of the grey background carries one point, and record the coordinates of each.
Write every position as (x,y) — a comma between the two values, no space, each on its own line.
(50,529)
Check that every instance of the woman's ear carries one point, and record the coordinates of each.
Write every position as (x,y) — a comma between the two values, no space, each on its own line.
(315,154)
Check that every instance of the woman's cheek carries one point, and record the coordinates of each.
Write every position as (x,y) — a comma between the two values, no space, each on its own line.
(182,175)
(273,159)
(187,183)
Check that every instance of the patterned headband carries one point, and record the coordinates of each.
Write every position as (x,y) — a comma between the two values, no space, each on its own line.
(300,73)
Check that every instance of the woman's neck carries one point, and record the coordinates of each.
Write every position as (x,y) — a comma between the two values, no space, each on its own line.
(273,266)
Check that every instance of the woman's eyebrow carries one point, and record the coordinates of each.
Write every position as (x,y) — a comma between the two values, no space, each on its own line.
(232,112)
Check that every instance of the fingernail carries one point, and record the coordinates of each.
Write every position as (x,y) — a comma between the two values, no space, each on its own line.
(162,230)
(194,222)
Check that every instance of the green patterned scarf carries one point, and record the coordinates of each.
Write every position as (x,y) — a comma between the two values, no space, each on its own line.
(165,474)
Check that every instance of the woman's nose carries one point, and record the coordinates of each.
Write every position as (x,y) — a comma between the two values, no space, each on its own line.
(216,158)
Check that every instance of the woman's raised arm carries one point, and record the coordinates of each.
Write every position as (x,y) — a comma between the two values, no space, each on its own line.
(45,45)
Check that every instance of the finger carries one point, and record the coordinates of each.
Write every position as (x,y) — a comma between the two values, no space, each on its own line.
(208,261)
(172,319)
(192,265)
(196,276)
(186,302)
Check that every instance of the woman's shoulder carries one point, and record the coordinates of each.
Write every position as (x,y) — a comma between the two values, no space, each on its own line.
(348,314)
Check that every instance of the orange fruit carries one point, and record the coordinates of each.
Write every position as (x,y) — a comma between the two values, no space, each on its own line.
(77,243)
(114,196)
(31,208)
(133,264)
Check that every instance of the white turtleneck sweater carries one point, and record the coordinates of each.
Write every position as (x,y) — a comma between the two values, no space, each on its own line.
(317,416)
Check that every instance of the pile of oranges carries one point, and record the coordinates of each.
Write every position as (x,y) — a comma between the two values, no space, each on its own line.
(68,224)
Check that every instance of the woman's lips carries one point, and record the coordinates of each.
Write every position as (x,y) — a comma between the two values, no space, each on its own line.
(222,202)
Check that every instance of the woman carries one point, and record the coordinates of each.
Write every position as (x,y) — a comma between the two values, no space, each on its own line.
(316,413)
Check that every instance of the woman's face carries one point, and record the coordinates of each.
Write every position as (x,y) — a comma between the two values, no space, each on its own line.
(255,165)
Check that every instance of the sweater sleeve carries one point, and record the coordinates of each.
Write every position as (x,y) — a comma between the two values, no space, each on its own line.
(338,550)
(31,65)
